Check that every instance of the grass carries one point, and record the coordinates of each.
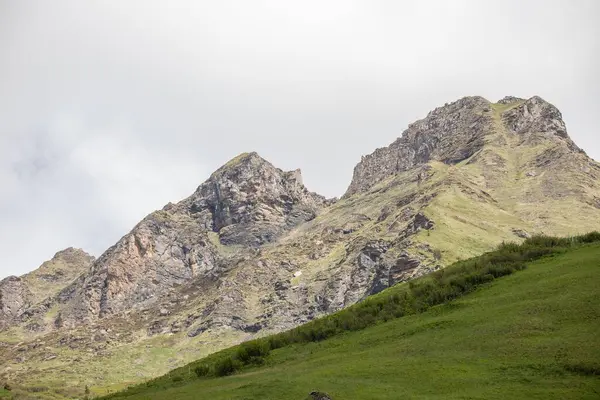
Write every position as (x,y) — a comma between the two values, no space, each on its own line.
(462,333)
(13,335)
(478,224)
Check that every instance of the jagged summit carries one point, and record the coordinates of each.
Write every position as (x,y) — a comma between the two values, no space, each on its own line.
(240,161)
(249,201)
(70,256)
(252,162)
(70,252)
(18,294)
(536,116)
(449,134)
(456,131)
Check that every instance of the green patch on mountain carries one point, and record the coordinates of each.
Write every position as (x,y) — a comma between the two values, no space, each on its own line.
(473,330)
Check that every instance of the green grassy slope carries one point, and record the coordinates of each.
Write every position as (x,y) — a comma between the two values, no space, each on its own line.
(532,334)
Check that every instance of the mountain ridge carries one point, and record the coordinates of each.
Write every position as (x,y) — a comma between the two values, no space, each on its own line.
(427,139)
(20,294)
(252,251)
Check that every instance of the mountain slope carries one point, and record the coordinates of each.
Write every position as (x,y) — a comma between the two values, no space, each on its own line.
(253,252)
(248,202)
(541,343)
(517,172)
(19,295)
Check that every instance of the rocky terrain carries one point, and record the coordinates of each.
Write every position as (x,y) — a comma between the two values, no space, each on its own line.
(252,251)
(20,295)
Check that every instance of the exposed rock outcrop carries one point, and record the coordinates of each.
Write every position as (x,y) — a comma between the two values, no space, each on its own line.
(250,202)
(163,251)
(21,297)
(247,202)
(510,100)
(60,271)
(319,396)
(536,116)
(15,297)
(448,134)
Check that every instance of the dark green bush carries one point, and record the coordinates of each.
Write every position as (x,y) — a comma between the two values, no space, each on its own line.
(510,247)
(590,237)
(276,342)
(201,370)
(226,366)
(253,352)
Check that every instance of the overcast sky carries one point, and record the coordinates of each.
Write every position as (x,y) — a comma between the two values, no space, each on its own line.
(111,109)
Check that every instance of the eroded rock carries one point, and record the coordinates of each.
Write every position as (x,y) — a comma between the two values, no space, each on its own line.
(318,396)
(449,134)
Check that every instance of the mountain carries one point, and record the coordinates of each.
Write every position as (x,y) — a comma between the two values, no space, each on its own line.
(245,204)
(20,295)
(253,252)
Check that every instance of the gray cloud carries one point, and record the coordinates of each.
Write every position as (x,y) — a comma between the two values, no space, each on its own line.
(108,110)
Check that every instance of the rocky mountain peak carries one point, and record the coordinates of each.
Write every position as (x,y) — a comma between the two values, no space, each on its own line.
(252,166)
(537,117)
(456,131)
(65,265)
(70,252)
(249,201)
(20,293)
(70,257)
(450,134)
(240,162)
(13,298)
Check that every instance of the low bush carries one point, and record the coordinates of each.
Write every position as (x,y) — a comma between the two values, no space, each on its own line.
(202,370)
(590,237)
(227,366)
(253,352)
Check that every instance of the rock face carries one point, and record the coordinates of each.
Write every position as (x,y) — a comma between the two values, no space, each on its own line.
(250,202)
(448,134)
(19,295)
(457,131)
(536,116)
(252,251)
(247,202)
(14,298)
(161,252)
(60,271)
(319,396)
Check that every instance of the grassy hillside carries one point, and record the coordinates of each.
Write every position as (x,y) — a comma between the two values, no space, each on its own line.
(458,333)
